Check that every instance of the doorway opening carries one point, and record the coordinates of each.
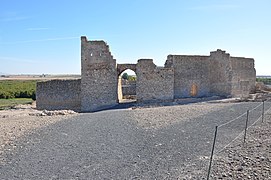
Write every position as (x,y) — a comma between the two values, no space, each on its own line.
(127,86)
(194,90)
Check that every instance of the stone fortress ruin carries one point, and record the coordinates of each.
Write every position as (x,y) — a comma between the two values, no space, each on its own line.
(183,76)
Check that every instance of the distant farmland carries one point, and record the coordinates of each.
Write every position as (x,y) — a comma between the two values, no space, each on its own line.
(24,86)
(38,77)
(265,80)
(10,89)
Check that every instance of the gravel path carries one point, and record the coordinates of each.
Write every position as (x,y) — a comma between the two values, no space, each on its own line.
(153,143)
(22,121)
(251,160)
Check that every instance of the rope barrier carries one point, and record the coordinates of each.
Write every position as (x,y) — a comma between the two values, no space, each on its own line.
(256,107)
(232,120)
(238,136)
(242,131)
(239,116)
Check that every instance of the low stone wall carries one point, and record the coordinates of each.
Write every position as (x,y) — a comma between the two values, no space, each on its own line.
(129,89)
(59,94)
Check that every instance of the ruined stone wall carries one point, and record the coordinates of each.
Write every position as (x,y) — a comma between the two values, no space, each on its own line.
(220,73)
(99,76)
(243,76)
(129,89)
(217,74)
(126,88)
(191,77)
(153,83)
(59,94)
(182,76)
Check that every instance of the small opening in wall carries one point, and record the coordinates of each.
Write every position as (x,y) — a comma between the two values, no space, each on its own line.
(100,54)
(91,54)
(194,90)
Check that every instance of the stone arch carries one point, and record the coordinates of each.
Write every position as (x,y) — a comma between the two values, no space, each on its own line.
(123,67)
(126,88)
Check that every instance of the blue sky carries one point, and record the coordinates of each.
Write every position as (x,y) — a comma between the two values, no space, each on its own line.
(44,36)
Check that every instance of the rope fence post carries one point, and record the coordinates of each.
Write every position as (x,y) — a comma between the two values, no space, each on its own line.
(246,127)
(263,112)
(212,153)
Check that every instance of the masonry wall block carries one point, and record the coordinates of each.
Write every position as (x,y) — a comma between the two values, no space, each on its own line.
(99,81)
(128,88)
(153,83)
(59,95)
(190,73)
(243,76)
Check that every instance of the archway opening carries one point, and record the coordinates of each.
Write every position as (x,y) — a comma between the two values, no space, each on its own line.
(127,86)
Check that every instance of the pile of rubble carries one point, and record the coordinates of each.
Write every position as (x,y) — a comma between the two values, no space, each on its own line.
(262,93)
(52,113)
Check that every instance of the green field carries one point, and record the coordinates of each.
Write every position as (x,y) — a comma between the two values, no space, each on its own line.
(264,80)
(14,92)
(7,103)
(10,89)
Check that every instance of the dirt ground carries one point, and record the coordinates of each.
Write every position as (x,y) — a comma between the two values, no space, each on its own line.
(236,162)
(23,119)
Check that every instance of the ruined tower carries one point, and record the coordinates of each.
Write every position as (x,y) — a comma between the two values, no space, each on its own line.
(98,76)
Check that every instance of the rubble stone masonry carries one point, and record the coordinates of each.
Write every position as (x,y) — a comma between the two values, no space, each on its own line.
(182,76)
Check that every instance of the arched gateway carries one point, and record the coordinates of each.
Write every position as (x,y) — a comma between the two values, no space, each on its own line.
(126,87)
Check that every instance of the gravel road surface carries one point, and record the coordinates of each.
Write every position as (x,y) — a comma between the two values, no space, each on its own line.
(249,160)
(172,142)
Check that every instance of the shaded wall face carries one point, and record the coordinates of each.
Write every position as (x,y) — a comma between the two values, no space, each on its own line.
(99,76)
(191,75)
(153,83)
(244,76)
(59,94)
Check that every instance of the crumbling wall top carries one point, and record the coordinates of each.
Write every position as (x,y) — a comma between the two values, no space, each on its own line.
(219,52)
(84,38)
(95,52)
